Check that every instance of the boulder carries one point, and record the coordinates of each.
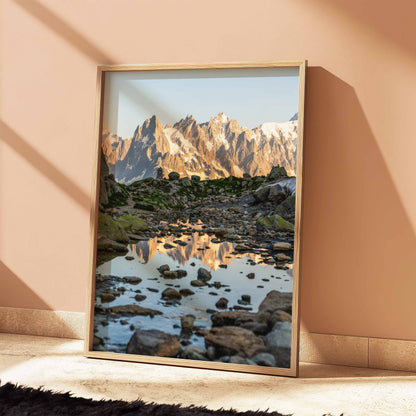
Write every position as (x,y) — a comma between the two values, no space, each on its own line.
(278,343)
(256,327)
(187,323)
(192,352)
(287,208)
(174,274)
(186,292)
(282,245)
(134,310)
(264,359)
(283,257)
(242,247)
(198,283)
(232,340)
(110,229)
(276,194)
(153,342)
(132,280)
(132,224)
(107,297)
(163,268)
(222,303)
(171,293)
(279,316)
(251,275)
(276,300)
(262,194)
(139,297)
(233,318)
(275,223)
(280,336)
(174,176)
(204,275)
(105,244)
(277,172)
(195,178)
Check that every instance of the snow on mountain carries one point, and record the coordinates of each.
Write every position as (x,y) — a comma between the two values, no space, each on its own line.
(214,149)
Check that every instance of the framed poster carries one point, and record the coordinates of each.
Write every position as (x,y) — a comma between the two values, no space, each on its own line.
(196,216)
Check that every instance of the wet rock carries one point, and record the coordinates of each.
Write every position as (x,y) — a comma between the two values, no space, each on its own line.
(174,274)
(186,292)
(227,290)
(96,341)
(198,283)
(132,327)
(132,280)
(215,241)
(213,293)
(187,323)
(264,359)
(211,310)
(134,310)
(107,297)
(223,266)
(123,322)
(211,353)
(233,318)
(139,298)
(276,300)
(163,268)
(106,244)
(217,285)
(192,264)
(192,352)
(153,342)
(251,275)
(168,246)
(283,257)
(237,359)
(204,275)
(171,293)
(257,327)
(232,340)
(130,258)
(242,308)
(242,247)
(280,336)
(174,176)
(282,245)
(246,298)
(222,303)
(279,316)
(181,243)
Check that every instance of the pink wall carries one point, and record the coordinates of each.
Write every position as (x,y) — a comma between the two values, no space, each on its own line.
(359,261)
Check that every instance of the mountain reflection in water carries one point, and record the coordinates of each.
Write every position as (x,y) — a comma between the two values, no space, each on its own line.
(211,254)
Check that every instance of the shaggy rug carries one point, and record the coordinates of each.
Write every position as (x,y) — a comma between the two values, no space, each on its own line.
(21,401)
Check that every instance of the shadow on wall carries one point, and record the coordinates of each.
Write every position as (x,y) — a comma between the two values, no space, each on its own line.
(358,243)
(12,282)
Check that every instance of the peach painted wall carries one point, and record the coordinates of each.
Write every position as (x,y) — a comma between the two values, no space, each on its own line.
(359,244)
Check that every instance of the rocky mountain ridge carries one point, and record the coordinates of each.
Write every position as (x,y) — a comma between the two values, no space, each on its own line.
(215,149)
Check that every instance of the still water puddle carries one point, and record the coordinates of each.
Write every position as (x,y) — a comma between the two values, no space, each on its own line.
(199,252)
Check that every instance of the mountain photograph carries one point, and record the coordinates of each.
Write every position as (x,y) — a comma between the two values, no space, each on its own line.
(196,226)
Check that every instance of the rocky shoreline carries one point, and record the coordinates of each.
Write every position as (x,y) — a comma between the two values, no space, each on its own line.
(255,214)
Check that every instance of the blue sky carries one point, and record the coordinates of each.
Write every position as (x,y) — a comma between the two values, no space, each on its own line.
(250,96)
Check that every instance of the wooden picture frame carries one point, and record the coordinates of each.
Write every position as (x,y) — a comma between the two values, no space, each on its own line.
(271,318)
